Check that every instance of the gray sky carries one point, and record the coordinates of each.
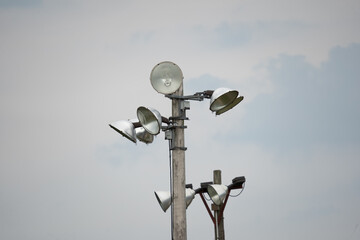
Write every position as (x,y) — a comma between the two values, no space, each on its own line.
(69,68)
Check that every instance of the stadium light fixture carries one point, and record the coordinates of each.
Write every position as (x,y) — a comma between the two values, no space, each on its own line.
(167,79)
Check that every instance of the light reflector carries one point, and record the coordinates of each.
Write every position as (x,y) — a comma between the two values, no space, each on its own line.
(217,193)
(166,77)
(221,98)
(164,199)
(230,106)
(143,136)
(150,119)
(189,195)
(125,128)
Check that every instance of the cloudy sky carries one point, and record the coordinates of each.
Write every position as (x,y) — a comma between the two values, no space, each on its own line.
(69,68)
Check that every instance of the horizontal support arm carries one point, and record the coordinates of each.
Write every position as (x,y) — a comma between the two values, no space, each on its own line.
(199,96)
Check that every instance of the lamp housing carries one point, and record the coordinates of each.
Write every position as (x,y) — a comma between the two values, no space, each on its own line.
(217,193)
(203,187)
(125,128)
(150,119)
(164,199)
(230,106)
(221,98)
(166,77)
(237,183)
(144,136)
(189,196)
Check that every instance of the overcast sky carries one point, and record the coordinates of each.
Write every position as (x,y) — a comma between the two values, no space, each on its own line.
(69,68)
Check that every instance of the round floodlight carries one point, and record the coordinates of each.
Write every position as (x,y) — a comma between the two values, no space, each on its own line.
(150,119)
(217,193)
(230,106)
(143,135)
(164,199)
(125,128)
(166,77)
(221,98)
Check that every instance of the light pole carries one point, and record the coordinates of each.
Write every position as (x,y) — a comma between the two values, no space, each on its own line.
(167,78)
(219,226)
(219,194)
(178,168)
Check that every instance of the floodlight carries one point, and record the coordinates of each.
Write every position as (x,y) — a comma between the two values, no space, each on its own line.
(237,183)
(125,128)
(230,106)
(143,136)
(221,98)
(164,199)
(203,187)
(166,77)
(150,119)
(189,196)
(217,193)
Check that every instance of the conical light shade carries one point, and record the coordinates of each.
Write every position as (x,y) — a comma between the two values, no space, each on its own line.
(150,119)
(189,195)
(230,106)
(164,199)
(143,135)
(217,193)
(125,128)
(221,98)
(166,77)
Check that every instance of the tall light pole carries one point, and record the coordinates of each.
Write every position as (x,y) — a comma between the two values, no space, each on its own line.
(167,78)
(178,174)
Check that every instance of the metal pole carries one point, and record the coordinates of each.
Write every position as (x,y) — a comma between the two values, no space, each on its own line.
(219,226)
(178,158)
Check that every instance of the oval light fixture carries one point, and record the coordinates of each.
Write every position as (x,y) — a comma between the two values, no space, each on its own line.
(221,98)
(125,128)
(150,119)
(166,77)
(230,106)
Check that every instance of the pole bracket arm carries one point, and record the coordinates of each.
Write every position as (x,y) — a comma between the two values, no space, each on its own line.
(199,96)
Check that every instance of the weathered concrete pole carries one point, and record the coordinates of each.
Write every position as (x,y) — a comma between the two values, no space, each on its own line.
(219,228)
(178,161)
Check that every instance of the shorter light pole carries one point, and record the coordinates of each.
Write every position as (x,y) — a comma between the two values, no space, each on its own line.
(219,226)
(219,194)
